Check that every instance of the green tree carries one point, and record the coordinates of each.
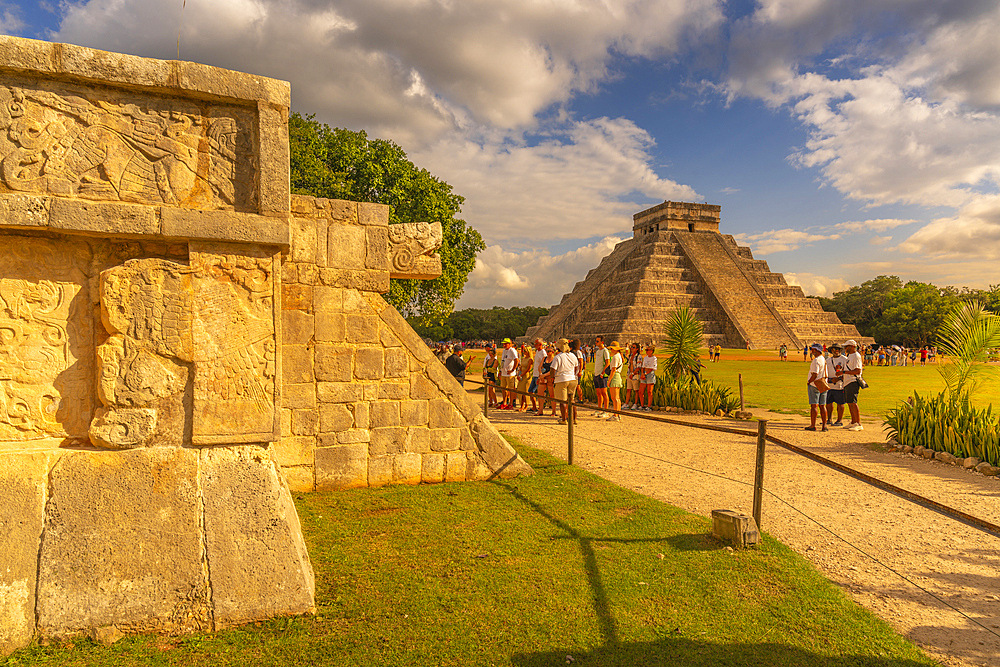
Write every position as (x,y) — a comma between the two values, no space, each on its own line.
(966,337)
(684,338)
(475,324)
(341,164)
(913,313)
(863,304)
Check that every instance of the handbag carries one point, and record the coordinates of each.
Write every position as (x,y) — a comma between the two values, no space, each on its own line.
(821,385)
(862,383)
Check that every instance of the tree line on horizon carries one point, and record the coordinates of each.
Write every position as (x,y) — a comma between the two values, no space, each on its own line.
(494,324)
(897,313)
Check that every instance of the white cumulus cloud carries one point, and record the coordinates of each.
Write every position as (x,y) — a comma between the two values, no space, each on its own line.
(780,240)
(815,285)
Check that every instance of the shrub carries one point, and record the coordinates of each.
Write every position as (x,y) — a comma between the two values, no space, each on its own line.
(683,393)
(946,422)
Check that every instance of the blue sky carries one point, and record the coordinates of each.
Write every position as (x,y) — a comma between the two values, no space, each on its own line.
(843,138)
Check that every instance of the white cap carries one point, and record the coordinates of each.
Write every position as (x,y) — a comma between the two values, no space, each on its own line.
(851,342)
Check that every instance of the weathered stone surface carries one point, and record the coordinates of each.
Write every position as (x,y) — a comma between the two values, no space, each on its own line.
(987,469)
(441,414)
(406,469)
(362,328)
(445,439)
(388,440)
(299,396)
(297,297)
(384,413)
(24,481)
(333,363)
(23,211)
(397,363)
(371,214)
(497,452)
(113,517)
(342,467)
(331,327)
(258,560)
(297,364)
(102,218)
(362,415)
(411,249)
(476,468)
(432,468)
(305,422)
(380,470)
(354,435)
(455,466)
(329,299)
(419,440)
(413,413)
(335,417)
(368,363)
(970,462)
(339,392)
(421,388)
(394,391)
(294,451)
(297,327)
(406,335)
(374,281)
(945,457)
(345,245)
(300,479)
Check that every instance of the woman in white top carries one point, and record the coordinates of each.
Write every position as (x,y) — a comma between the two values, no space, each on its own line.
(817,398)
(615,380)
(564,373)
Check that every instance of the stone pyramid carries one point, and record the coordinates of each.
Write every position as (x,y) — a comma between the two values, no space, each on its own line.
(677,257)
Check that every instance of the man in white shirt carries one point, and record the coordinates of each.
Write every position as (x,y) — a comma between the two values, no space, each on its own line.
(564,367)
(851,373)
(601,359)
(536,371)
(834,363)
(508,374)
(817,398)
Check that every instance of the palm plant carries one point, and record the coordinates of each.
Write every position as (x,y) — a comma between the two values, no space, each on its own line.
(685,336)
(966,338)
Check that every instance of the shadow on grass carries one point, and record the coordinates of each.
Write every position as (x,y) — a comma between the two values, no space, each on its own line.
(682,652)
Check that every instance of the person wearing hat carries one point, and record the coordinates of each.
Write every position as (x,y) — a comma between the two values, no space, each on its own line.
(851,373)
(835,365)
(817,398)
(456,365)
(615,380)
(524,376)
(602,357)
(508,374)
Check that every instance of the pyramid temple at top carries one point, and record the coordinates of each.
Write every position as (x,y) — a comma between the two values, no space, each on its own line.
(677,257)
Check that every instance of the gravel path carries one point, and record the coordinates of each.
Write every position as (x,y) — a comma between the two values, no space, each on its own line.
(955,562)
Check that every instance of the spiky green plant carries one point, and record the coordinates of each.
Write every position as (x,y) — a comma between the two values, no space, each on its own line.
(685,335)
(966,338)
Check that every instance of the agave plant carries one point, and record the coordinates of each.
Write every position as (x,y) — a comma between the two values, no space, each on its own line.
(966,338)
(684,337)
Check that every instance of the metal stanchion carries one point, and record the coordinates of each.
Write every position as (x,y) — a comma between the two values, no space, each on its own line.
(758,477)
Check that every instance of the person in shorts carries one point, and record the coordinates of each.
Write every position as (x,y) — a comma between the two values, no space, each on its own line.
(601,360)
(852,371)
(564,375)
(632,377)
(835,365)
(615,382)
(817,398)
(536,368)
(490,374)
(647,378)
(524,376)
(508,373)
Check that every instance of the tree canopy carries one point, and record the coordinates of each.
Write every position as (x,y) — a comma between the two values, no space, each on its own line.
(903,314)
(477,324)
(342,164)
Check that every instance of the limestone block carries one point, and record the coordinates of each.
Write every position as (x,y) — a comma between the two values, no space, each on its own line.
(368,363)
(388,339)
(305,422)
(297,297)
(303,239)
(185,223)
(342,467)
(338,392)
(302,205)
(394,391)
(421,388)
(466,442)
(447,383)
(273,156)
(355,302)
(345,247)
(412,250)
(397,363)
(476,468)
(353,436)
(299,396)
(294,450)
(389,440)
(497,452)
(432,468)
(344,211)
(373,214)
(226,83)
(333,363)
(28,54)
(375,301)
(331,327)
(24,480)
(363,329)
(335,417)
(300,479)
(297,327)
(102,217)
(384,413)
(123,428)
(289,273)
(329,299)
(365,280)
(321,245)
(308,274)
(297,364)
(445,439)
(257,559)
(106,524)
(371,392)
(413,413)
(285,416)
(380,470)
(419,440)
(415,365)
(362,414)
(455,467)
(442,414)
(24,211)
(377,256)
(406,469)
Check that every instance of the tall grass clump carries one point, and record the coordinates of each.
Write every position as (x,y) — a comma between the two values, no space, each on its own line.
(947,422)
(683,393)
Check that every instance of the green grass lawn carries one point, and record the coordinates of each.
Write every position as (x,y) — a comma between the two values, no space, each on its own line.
(781,386)
(527,572)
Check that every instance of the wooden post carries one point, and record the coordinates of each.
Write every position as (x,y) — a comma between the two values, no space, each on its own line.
(758,477)
(742,407)
(569,429)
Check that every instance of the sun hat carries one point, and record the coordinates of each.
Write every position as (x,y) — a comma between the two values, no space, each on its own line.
(851,342)
(835,346)
(506,340)
(615,346)
(816,346)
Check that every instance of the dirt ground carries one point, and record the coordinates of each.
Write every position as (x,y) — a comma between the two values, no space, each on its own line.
(955,562)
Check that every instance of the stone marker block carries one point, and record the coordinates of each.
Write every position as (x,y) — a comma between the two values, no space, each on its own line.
(130,516)
(253,541)
(342,467)
(738,529)
(23,478)
(297,327)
